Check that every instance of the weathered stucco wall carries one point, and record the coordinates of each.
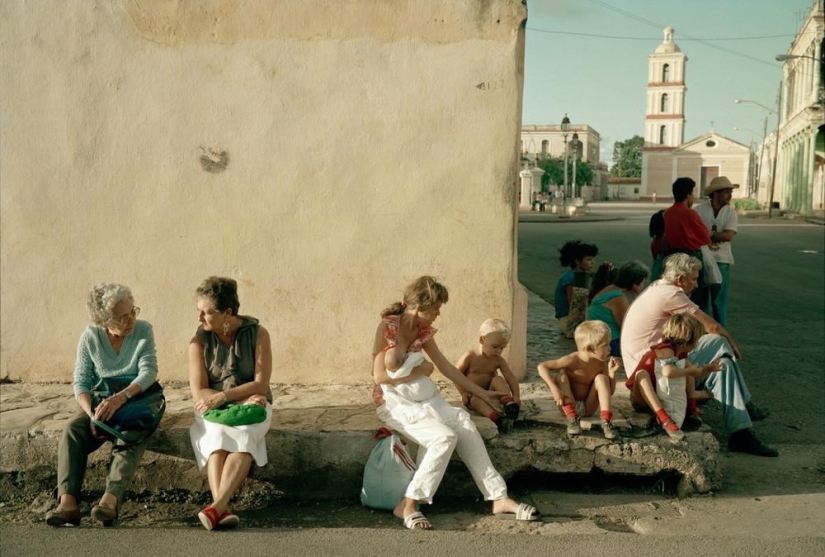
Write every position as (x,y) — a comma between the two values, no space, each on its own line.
(323,154)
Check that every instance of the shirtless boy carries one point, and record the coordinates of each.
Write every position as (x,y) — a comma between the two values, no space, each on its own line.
(481,365)
(586,378)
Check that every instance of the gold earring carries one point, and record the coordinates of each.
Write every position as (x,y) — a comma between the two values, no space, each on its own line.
(226,327)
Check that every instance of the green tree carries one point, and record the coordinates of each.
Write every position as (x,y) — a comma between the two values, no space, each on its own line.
(554,172)
(627,158)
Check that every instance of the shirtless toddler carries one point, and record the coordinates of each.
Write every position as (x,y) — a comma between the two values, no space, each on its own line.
(481,365)
(586,378)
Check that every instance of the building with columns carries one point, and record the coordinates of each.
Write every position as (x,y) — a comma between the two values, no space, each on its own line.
(799,185)
(666,155)
(548,141)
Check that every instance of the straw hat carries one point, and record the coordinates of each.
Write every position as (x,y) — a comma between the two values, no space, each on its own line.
(719,183)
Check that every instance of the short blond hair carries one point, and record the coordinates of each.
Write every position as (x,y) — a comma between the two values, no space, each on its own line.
(682,329)
(591,333)
(494,325)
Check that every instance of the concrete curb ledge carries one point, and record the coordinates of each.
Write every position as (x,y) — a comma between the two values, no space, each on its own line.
(319,451)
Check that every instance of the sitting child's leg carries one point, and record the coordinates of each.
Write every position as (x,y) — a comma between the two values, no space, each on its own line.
(644,392)
(603,388)
(511,407)
(502,422)
(569,405)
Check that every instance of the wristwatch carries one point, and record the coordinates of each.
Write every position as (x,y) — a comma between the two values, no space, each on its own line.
(127,394)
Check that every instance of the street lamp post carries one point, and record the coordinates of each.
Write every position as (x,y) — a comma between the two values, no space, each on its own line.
(575,142)
(772,111)
(565,127)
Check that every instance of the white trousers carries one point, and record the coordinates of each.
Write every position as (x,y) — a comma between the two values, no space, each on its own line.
(436,439)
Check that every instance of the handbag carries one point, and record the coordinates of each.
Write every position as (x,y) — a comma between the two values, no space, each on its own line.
(135,420)
(711,274)
(387,473)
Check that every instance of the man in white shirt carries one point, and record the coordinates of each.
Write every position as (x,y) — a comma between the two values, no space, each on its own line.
(642,328)
(722,223)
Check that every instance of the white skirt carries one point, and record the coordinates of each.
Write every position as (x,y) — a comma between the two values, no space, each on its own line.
(208,437)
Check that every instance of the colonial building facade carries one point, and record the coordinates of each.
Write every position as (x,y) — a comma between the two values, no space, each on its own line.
(799,184)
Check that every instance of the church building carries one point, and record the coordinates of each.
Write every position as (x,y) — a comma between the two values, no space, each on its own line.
(666,156)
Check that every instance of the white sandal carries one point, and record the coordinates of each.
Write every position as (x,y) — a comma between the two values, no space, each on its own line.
(524,512)
(416,521)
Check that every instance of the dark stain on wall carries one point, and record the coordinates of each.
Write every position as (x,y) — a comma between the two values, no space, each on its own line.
(214,160)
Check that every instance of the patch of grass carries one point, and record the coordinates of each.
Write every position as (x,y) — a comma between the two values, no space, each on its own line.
(746,204)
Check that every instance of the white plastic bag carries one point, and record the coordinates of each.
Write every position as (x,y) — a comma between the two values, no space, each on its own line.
(711,274)
(387,473)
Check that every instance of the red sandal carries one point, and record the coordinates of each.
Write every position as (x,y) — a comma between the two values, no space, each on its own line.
(209,517)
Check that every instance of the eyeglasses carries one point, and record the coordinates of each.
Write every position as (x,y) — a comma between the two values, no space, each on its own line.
(124,320)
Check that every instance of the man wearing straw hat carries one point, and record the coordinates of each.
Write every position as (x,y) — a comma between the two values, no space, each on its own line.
(722,223)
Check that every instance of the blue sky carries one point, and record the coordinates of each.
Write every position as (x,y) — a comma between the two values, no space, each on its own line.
(601,81)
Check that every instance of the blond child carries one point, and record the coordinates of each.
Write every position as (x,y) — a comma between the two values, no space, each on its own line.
(664,380)
(586,378)
(481,365)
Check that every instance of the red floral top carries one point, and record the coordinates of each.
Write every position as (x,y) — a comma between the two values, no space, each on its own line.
(393,323)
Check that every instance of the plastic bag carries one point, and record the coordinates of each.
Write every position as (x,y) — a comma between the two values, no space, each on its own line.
(711,274)
(387,473)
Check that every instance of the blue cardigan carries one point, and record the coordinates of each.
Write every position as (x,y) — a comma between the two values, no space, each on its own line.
(96,359)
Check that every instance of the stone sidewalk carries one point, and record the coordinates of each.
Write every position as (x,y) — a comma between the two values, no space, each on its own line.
(321,435)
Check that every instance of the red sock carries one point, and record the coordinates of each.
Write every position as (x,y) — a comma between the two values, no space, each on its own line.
(693,410)
(663,418)
(607,416)
(507,400)
(493,416)
(569,410)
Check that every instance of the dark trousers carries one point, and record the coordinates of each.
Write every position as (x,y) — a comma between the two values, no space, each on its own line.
(77,443)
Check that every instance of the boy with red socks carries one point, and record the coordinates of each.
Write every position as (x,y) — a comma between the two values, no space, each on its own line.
(586,379)
(663,382)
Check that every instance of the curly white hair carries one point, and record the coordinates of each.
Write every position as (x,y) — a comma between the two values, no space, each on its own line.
(102,301)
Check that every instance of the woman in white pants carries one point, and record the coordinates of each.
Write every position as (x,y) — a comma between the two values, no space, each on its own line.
(407,401)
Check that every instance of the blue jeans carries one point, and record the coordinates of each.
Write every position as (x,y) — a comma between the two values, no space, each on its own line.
(728,386)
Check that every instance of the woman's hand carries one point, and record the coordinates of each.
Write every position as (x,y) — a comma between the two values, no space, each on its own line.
(108,407)
(257,400)
(206,403)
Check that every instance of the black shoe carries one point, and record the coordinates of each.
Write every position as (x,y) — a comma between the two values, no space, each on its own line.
(63,518)
(756,413)
(511,410)
(504,424)
(692,423)
(744,441)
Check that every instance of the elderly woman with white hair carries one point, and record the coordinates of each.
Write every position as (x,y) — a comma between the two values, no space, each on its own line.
(115,385)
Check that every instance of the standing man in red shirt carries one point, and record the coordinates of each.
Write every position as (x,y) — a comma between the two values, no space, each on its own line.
(684,230)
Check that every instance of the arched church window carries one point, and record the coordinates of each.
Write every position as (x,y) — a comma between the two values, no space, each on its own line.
(662,135)
(545,147)
(666,73)
(665,106)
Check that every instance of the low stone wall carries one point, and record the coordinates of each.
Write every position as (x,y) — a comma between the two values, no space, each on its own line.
(321,438)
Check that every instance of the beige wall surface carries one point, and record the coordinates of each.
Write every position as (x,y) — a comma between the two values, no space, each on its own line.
(323,154)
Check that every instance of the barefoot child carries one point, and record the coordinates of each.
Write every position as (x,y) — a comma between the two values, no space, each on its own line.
(664,380)
(437,427)
(586,378)
(481,365)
